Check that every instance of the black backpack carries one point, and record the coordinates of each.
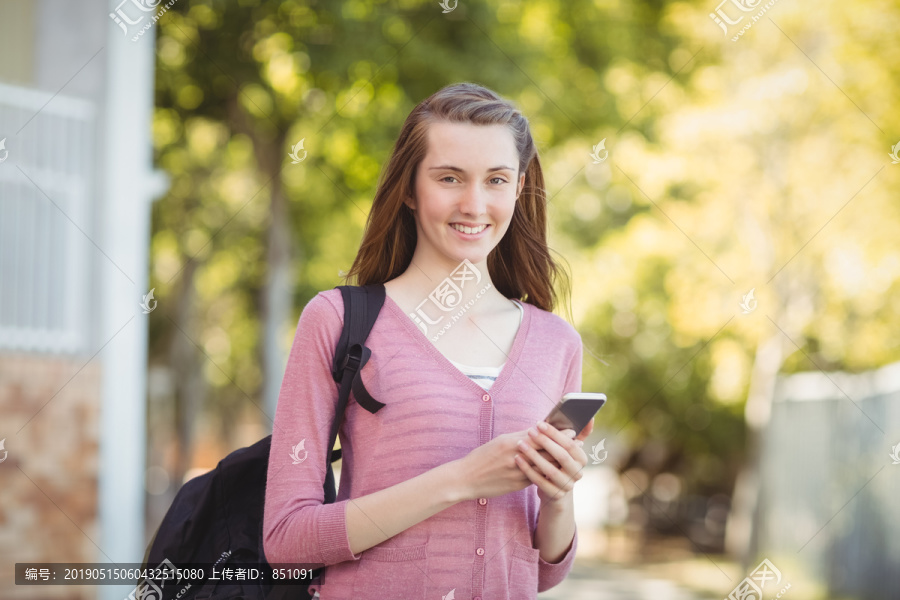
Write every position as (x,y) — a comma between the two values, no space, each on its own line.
(217,518)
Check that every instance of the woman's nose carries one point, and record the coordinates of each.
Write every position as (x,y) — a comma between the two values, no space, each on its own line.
(474,200)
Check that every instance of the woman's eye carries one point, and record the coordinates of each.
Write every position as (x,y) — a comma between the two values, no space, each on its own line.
(498,179)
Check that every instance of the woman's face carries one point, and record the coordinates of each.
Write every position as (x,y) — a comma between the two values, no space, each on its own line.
(468,179)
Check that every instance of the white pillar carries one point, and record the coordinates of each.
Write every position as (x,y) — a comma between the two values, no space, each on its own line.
(128,187)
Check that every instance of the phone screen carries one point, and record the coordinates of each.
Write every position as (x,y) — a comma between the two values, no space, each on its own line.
(576,410)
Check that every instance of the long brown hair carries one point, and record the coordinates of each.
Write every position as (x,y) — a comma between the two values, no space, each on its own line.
(520,265)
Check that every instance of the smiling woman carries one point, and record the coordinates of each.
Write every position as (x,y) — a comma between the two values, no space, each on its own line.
(448,487)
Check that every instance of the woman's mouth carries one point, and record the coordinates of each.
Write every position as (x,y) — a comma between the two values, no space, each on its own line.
(469,233)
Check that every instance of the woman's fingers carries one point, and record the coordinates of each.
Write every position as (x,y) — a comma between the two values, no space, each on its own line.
(586,431)
(548,477)
(562,448)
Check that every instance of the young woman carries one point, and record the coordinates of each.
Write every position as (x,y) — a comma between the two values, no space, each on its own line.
(450,486)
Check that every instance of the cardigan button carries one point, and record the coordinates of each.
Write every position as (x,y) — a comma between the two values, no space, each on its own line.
(486,397)
(480,552)
(482,501)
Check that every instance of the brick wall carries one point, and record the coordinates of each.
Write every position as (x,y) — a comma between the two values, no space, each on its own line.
(48,482)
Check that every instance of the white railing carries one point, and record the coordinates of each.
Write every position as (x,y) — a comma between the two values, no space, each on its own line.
(46,216)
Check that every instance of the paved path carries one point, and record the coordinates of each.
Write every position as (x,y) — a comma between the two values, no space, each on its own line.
(613,583)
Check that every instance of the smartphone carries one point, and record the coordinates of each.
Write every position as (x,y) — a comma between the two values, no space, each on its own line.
(576,410)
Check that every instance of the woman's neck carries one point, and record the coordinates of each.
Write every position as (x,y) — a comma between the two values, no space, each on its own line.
(413,287)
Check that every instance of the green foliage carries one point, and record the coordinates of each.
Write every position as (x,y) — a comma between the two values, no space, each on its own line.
(725,159)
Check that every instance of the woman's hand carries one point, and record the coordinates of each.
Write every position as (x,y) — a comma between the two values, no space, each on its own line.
(490,469)
(554,479)
(588,429)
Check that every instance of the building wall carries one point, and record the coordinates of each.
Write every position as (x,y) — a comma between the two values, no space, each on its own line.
(17,32)
(828,505)
(75,193)
(48,495)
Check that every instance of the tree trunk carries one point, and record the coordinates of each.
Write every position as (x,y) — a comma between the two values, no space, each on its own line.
(276,294)
(742,539)
(189,383)
(277,291)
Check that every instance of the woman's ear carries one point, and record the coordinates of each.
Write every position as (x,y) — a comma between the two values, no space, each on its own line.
(521,185)
(410,203)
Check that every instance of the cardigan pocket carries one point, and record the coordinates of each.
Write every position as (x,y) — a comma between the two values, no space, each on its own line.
(388,572)
(523,572)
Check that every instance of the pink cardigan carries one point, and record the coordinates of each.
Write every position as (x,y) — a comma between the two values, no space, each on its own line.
(479,549)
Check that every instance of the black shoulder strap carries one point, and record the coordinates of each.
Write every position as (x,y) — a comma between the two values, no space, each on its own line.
(361,307)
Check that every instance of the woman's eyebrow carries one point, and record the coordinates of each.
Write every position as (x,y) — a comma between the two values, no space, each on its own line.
(458,170)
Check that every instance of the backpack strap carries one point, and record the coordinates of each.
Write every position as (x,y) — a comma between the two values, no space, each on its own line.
(361,307)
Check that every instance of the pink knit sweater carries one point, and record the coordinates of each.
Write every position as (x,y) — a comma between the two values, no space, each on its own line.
(480,549)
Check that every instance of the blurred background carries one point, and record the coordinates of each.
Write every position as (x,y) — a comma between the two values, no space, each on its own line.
(723,188)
